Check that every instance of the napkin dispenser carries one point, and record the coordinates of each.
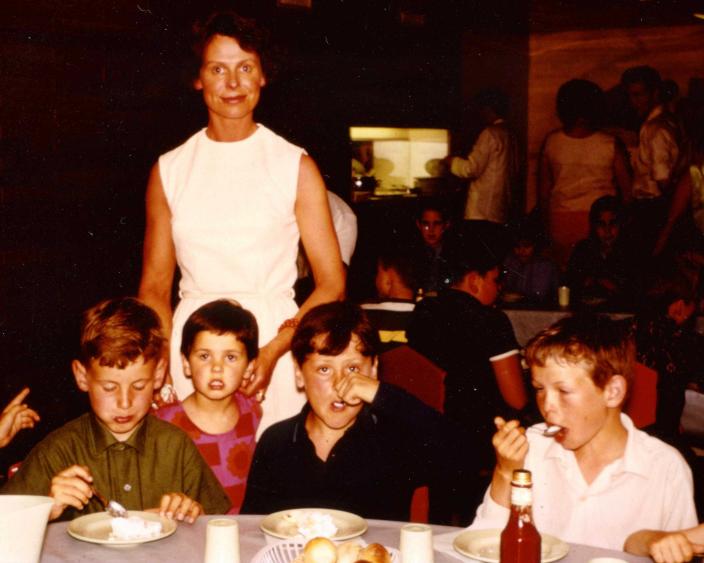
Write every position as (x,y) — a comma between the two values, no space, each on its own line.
(23,520)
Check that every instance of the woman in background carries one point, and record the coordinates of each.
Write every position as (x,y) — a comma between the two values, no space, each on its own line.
(579,164)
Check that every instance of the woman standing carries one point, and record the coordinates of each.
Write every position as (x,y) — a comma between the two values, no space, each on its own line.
(579,164)
(229,206)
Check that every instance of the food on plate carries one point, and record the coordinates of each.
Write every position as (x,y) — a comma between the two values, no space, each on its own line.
(134,528)
(348,552)
(375,553)
(314,524)
(320,550)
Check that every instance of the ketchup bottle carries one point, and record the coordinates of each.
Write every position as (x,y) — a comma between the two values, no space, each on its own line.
(520,540)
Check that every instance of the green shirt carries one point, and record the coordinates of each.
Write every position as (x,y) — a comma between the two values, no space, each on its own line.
(158,458)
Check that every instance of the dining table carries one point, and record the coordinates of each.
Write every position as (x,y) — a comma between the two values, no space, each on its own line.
(187,544)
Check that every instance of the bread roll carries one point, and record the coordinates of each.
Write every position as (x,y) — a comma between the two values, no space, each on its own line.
(320,550)
(375,553)
(348,552)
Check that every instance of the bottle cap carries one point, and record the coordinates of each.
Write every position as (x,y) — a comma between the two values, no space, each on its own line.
(522,477)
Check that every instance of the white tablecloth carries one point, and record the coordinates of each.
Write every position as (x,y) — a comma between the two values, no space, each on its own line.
(187,545)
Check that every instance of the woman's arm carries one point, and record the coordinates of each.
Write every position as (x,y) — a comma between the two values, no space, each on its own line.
(323,252)
(159,259)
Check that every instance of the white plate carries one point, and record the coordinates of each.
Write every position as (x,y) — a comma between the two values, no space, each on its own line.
(483,545)
(283,524)
(287,551)
(95,528)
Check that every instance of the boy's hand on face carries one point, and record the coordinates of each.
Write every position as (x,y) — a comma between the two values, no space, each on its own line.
(177,506)
(672,548)
(511,446)
(70,487)
(356,388)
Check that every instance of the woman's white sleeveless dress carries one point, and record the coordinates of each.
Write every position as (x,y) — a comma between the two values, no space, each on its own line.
(236,236)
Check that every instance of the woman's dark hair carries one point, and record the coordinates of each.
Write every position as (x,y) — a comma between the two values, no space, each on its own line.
(327,329)
(222,317)
(250,37)
(580,99)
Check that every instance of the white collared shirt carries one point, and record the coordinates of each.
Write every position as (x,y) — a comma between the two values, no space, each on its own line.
(650,487)
(657,154)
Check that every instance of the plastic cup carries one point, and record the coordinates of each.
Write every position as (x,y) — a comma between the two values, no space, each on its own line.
(222,541)
(23,520)
(416,543)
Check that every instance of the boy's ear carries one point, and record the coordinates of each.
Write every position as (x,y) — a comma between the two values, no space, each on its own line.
(615,391)
(187,366)
(80,374)
(197,84)
(299,376)
(160,372)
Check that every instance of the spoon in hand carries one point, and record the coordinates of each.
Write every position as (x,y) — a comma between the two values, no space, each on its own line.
(549,431)
(112,507)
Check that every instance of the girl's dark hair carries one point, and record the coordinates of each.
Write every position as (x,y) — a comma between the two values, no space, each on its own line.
(580,99)
(605,203)
(222,317)
(328,329)
(245,31)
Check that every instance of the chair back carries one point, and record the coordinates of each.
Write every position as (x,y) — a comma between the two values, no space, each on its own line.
(643,397)
(404,367)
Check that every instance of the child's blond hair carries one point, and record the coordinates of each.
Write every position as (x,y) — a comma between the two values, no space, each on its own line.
(117,332)
(605,347)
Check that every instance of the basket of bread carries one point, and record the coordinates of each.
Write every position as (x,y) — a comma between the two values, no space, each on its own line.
(323,550)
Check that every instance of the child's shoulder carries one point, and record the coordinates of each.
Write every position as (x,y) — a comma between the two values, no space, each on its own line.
(249,406)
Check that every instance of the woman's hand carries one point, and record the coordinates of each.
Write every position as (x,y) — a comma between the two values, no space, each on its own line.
(257,379)
(15,417)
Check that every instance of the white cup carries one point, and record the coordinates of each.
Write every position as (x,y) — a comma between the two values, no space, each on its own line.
(222,541)
(416,543)
(563,296)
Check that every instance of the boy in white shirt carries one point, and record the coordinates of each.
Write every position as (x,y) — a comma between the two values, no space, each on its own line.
(599,478)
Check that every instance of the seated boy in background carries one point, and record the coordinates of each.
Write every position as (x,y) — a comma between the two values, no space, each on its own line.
(396,283)
(118,448)
(462,332)
(357,444)
(599,479)
(220,343)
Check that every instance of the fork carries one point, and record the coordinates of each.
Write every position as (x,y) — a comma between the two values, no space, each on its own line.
(112,507)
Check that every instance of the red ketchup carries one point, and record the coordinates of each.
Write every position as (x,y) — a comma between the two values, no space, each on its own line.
(520,540)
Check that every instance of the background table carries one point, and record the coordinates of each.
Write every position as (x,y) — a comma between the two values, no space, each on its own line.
(187,545)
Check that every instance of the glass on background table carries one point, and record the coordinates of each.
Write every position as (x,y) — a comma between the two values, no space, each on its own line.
(187,545)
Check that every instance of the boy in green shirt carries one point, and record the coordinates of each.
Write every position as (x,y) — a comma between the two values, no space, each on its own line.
(118,448)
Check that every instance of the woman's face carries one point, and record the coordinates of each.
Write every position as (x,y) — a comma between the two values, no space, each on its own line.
(230,78)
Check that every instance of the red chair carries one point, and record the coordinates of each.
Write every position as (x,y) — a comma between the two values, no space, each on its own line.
(643,396)
(404,367)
